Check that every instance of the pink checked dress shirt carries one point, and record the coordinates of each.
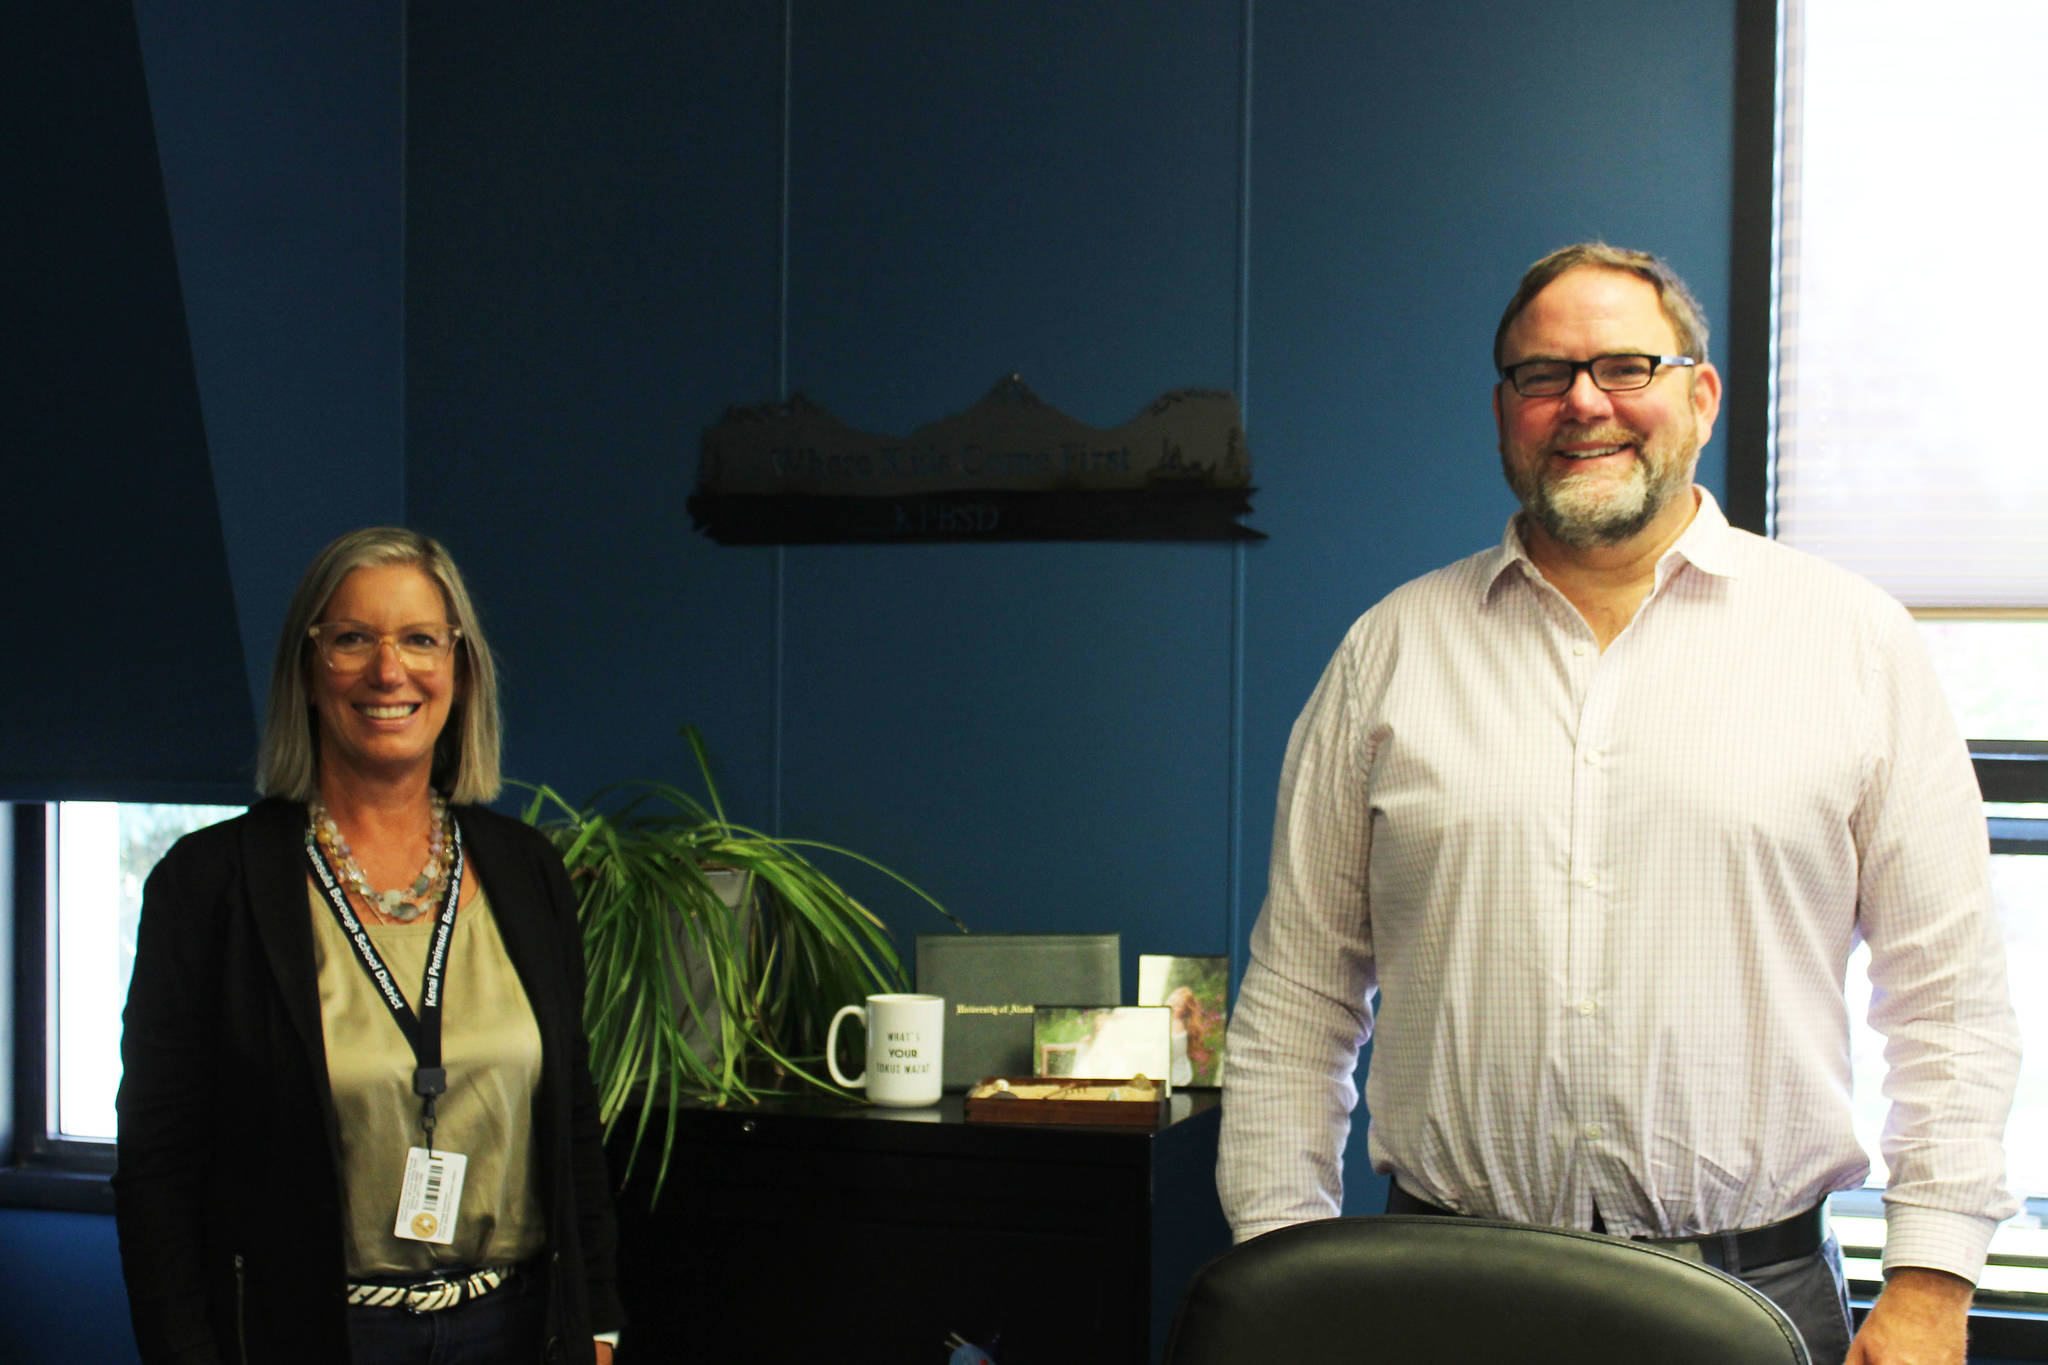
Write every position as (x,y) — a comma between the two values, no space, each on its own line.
(1593,909)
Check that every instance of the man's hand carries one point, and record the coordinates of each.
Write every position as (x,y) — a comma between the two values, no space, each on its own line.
(604,1353)
(1921,1318)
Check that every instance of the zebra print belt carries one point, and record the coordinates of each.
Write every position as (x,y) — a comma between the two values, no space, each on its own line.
(430,1296)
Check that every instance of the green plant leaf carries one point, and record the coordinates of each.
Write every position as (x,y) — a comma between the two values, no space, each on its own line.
(639,854)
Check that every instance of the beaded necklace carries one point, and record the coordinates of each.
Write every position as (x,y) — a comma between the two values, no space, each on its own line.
(403,906)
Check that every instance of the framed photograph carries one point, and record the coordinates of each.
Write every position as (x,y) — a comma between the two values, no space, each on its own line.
(1194,990)
(1108,1043)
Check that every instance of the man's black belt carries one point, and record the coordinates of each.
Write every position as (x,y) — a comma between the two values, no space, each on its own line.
(1795,1237)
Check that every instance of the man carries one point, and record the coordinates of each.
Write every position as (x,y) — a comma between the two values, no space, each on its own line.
(1597,816)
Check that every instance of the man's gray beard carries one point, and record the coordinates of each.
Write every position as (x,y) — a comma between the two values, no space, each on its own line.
(1587,525)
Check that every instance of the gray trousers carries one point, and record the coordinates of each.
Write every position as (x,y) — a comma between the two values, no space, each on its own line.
(1813,1292)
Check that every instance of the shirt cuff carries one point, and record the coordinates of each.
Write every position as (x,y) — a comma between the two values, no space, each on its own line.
(610,1339)
(1936,1239)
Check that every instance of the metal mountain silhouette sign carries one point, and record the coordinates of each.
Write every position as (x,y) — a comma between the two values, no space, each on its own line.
(1012,467)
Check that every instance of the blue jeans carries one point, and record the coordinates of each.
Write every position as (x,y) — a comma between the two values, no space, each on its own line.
(505,1327)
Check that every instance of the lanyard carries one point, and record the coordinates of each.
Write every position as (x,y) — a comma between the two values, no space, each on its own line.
(421,1030)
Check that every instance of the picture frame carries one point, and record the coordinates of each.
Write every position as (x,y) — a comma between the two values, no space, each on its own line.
(1196,991)
(1103,1042)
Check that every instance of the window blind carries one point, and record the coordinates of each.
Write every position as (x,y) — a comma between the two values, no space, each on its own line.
(1912,443)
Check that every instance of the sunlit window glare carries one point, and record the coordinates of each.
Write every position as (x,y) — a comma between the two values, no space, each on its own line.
(104,851)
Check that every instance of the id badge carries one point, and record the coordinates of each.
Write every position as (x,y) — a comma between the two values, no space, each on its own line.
(431,1195)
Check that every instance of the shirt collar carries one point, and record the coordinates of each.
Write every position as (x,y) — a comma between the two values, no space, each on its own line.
(1708,544)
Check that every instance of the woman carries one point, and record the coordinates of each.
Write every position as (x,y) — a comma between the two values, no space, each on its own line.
(314,1167)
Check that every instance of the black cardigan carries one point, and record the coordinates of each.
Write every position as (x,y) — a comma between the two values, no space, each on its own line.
(228,1195)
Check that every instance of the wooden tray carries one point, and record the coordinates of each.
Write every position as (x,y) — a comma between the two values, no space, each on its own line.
(1008,1106)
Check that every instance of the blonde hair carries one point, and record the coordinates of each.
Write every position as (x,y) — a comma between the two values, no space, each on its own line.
(466,754)
(1681,309)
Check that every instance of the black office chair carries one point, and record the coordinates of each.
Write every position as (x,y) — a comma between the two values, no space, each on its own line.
(1467,1291)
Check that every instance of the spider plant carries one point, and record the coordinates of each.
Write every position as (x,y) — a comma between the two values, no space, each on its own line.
(645,858)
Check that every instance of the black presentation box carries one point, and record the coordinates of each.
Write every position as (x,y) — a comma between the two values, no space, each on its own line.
(992,982)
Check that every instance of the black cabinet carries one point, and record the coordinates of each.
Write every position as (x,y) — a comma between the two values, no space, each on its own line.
(807,1230)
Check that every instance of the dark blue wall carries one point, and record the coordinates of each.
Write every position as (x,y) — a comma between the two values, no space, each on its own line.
(217,391)
(1319,207)
(63,1299)
(280,129)
(614,221)
(114,540)
(1322,207)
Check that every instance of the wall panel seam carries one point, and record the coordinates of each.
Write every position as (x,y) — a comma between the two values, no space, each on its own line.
(1233,861)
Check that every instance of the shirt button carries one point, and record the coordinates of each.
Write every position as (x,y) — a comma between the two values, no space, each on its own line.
(1589,880)
(1589,1007)
(1594,1132)
(1579,650)
(1593,757)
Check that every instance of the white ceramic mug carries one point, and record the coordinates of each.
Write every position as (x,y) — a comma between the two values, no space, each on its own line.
(906,1038)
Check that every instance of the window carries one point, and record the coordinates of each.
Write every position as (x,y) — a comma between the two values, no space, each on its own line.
(1885,300)
(1910,298)
(104,851)
(79,870)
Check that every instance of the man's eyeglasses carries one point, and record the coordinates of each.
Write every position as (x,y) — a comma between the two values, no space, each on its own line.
(351,646)
(1611,373)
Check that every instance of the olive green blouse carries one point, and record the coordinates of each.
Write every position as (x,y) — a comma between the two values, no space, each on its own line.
(491,1048)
